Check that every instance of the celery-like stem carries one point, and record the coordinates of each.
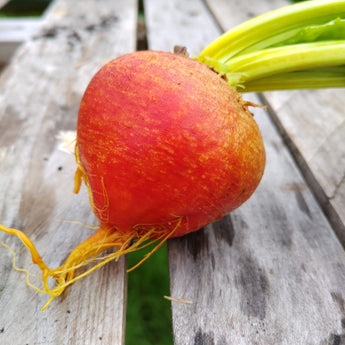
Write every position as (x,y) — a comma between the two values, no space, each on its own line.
(298,46)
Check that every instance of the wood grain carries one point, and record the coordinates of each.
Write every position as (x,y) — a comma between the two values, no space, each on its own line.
(14,32)
(273,271)
(313,125)
(179,22)
(40,93)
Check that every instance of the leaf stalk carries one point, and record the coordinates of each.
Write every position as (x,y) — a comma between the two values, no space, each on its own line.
(294,47)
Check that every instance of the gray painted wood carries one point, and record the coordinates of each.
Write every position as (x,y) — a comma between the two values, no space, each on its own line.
(40,93)
(273,271)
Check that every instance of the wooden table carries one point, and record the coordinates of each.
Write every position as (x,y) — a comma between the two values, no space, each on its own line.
(271,272)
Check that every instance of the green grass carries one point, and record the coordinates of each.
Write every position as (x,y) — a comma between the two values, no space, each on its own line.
(24,8)
(148,312)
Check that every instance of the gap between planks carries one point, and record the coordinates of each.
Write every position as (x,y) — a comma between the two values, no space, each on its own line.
(310,179)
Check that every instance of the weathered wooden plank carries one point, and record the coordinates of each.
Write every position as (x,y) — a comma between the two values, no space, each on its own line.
(39,98)
(179,22)
(313,123)
(312,120)
(273,271)
(230,13)
(3,3)
(14,32)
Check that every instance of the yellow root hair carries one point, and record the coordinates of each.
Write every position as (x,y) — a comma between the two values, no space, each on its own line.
(88,252)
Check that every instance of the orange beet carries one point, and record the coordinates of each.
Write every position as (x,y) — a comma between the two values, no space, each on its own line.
(165,146)
(162,138)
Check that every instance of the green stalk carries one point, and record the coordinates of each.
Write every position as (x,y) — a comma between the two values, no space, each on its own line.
(298,46)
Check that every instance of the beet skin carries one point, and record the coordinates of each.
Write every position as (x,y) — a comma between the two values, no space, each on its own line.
(163,139)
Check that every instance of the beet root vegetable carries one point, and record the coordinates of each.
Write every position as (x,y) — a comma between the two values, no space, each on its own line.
(163,139)
(164,146)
